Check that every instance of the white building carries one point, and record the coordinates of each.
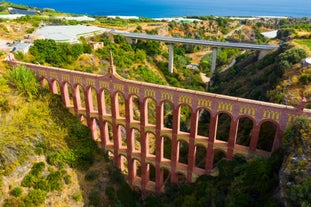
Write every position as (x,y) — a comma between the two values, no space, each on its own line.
(22,47)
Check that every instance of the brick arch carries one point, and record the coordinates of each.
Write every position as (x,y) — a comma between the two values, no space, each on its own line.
(183,151)
(223,129)
(44,82)
(136,139)
(151,143)
(242,139)
(200,156)
(55,86)
(184,126)
(203,122)
(165,146)
(150,114)
(134,107)
(121,136)
(92,99)
(166,119)
(105,101)
(79,94)
(94,128)
(67,93)
(274,138)
(118,99)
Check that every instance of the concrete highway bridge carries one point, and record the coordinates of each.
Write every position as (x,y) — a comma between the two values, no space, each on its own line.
(128,119)
(214,44)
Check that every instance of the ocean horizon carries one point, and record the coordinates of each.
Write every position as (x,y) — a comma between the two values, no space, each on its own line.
(176,8)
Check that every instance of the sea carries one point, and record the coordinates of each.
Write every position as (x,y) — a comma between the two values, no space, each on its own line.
(176,8)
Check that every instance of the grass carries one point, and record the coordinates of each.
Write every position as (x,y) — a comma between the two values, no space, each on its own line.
(304,42)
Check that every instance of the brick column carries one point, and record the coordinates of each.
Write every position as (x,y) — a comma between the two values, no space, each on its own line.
(64,94)
(254,138)
(277,139)
(53,87)
(102,125)
(116,140)
(191,146)
(143,145)
(232,137)
(175,153)
(128,112)
(76,100)
(210,147)
(159,148)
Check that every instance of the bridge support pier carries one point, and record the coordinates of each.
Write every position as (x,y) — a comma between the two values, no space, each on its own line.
(171,58)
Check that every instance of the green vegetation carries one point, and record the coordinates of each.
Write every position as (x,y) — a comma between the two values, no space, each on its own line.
(24,80)
(259,76)
(57,54)
(296,177)
(17,191)
(304,42)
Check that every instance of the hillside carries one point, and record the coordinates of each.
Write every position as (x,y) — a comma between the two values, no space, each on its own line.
(47,157)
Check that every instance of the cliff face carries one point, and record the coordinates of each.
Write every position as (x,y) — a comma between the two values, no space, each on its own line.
(295,173)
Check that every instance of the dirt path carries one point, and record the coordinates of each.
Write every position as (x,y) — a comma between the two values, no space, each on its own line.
(231,32)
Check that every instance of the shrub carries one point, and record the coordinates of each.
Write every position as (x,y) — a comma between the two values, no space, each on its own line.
(54,180)
(35,198)
(24,80)
(77,196)
(17,191)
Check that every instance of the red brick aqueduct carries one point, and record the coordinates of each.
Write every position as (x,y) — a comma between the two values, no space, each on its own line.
(110,104)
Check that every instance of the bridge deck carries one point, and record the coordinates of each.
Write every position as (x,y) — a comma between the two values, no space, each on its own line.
(196,41)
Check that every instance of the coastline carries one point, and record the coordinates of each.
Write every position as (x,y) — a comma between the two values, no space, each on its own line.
(133,10)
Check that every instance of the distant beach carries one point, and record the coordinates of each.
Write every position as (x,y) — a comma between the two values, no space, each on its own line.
(173,8)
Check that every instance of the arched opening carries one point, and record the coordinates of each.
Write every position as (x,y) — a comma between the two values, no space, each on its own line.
(92,97)
(120,105)
(80,97)
(105,102)
(184,118)
(110,133)
(183,152)
(45,83)
(204,118)
(151,140)
(122,136)
(124,165)
(95,130)
(181,178)
(152,172)
(68,94)
(151,111)
(167,147)
(244,131)
(137,168)
(110,154)
(136,138)
(83,120)
(55,87)
(267,135)
(223,127)
(167,115)
(200,156)
(135,107)
(165,174)
(218,155)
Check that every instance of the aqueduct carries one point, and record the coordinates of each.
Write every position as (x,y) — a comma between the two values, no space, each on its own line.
(129,120)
